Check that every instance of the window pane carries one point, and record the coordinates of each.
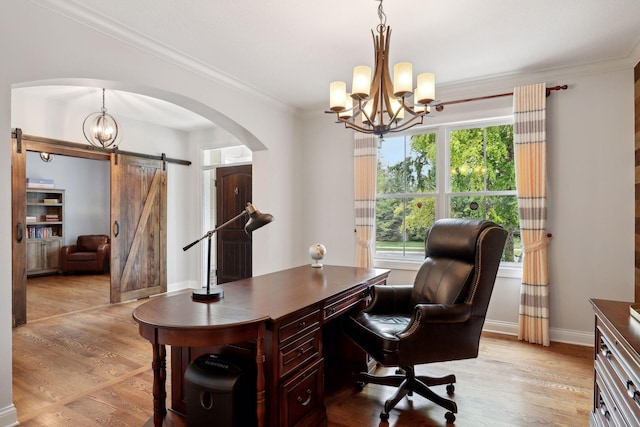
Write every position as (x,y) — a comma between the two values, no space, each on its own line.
(501,173)
(401,225)
(421,163)
(391,166)
(466,151)
(502,210)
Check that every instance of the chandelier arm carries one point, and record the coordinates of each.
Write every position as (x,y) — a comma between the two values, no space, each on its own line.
(363,111)
(401,107)
(351,125)
(377,78)
(407,124)
(410,110)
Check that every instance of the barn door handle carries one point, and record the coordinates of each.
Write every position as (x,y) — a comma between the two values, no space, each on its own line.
(116,229)
(20,232)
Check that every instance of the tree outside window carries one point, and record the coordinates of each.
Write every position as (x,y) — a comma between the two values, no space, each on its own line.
(480,184)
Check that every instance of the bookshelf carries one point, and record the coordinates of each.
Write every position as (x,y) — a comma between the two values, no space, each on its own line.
(45,230)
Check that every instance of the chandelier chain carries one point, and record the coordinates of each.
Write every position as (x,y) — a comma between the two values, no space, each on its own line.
(383,18)
(104,109)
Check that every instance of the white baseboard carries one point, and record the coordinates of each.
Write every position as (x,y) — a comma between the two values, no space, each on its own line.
(9,416)
(558,335)
(178,286)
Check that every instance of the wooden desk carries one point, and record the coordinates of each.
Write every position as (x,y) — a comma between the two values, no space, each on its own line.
(284,312)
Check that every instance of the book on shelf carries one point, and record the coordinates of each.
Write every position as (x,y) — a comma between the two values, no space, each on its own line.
(41,232)
(51,218)
(50,201)
(42,186)
(40,183)
(31,219)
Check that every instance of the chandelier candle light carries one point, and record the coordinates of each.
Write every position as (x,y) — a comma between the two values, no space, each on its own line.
(376,106)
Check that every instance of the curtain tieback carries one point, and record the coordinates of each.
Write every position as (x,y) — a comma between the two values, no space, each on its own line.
(537,245)
(364,243)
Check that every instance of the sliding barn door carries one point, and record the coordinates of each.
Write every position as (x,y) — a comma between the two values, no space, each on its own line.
(138,227)
(18,230)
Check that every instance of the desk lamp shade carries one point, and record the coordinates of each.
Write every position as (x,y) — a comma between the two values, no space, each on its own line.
(257,219)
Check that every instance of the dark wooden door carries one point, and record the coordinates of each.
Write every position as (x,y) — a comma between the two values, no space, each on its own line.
(138,227)
(233,245)
(18,231)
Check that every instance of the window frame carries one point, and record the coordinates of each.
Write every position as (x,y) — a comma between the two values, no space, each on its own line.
(443,193)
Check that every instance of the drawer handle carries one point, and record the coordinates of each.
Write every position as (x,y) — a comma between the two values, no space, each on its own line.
(306,402)
(302,324)
(331,310)
(301,350)
(605,350)
(632,390)
(603,409)
(20,230)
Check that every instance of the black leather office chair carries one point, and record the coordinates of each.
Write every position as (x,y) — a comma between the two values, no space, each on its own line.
(439,318)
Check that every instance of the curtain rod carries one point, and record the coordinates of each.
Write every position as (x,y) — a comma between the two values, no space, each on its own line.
(440,106)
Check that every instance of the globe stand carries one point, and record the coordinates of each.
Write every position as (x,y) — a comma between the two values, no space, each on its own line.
(317,252)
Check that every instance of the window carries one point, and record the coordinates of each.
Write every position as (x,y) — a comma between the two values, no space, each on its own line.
(448,171)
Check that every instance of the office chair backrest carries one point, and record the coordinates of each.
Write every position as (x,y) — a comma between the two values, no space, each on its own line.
(451,270)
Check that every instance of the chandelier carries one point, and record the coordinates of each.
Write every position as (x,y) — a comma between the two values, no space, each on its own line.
(100,128)
(377,106)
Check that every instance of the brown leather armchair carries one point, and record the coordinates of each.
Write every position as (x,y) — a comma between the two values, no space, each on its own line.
(90,253)
(439,318)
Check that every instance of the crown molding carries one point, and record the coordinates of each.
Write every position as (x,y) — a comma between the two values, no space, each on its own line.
(74,10)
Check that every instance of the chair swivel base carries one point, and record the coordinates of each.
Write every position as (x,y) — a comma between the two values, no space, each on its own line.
(409,383)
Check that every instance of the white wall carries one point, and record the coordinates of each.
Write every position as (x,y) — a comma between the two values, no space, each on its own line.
(590,193)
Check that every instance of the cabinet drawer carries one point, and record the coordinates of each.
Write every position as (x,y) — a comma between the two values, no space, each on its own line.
(299,352)
(623,384)
(297,325)
(605,412)
(301,397)
(343,302)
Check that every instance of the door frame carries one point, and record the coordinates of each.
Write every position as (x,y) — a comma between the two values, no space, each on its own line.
(64,148)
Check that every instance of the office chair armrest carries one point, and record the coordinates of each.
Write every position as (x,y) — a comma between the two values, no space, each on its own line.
(390,299)
(434,314)
(442,313)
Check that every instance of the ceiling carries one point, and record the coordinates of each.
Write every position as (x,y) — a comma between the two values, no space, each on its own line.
(289,50)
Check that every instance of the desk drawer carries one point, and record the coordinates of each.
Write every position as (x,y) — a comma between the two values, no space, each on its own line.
(623,383)
(295,326)
(302,397)
(606,412)
(343,302)
(299,352)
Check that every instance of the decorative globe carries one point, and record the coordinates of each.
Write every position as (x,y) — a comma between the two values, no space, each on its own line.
(317,251)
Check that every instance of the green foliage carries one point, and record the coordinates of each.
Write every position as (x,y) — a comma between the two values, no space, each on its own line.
(481,159)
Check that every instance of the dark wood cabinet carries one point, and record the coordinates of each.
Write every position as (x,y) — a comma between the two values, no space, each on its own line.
(616,397)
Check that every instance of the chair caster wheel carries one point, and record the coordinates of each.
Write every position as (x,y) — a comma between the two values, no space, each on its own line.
(360,385)
(384,416)
(450,417)
(450,389)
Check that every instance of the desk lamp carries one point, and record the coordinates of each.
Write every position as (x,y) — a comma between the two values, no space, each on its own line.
(256,220)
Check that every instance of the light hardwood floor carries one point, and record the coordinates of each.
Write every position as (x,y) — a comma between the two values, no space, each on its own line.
(81,362)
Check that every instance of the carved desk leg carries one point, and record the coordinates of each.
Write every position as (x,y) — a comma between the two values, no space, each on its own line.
(159,366)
